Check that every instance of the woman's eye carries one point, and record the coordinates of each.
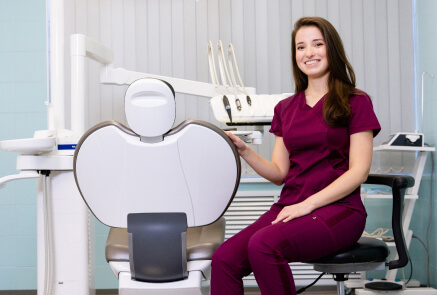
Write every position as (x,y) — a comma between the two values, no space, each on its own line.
(319,44)
(300,47)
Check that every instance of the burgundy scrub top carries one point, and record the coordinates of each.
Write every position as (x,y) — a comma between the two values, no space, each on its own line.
(319,154)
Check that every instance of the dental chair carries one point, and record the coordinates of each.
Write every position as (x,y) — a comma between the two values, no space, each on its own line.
(370,253)
(150,183)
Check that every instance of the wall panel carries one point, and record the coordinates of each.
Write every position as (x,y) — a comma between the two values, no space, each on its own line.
(273,49)
(357,40)
(285,28)
(322,8)
(202,70)
(369,50)
(141,25)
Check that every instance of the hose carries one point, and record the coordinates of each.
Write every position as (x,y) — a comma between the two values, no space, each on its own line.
(48,239)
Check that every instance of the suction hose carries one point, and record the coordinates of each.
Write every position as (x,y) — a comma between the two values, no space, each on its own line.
(48,239)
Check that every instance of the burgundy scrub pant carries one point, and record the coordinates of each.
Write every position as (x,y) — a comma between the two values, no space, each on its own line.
(266,249)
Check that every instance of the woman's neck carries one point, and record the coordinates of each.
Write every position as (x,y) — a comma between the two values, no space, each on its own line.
(316,89)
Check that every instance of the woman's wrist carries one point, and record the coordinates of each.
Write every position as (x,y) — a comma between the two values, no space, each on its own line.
(310,204)
(245,150)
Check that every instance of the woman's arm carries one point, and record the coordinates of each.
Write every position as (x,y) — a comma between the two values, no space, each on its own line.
(275,170)
(360,159)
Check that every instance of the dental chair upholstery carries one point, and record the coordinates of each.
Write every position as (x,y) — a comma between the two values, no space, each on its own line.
(370,253)
(150,183)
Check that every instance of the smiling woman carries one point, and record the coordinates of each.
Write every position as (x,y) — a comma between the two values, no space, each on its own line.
(322,154)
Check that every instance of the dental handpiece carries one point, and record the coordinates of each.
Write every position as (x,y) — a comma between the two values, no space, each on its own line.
(249,101)
(227,107)
(238,104)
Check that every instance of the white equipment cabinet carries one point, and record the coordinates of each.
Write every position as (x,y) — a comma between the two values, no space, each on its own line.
(65,264)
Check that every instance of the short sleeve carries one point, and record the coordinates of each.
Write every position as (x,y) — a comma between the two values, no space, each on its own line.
(276,127)
(363,117)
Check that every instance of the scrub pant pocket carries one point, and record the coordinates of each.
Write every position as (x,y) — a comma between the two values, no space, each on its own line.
(345,225)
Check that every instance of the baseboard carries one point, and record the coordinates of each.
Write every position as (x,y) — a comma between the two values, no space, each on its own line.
(107,291)
(18,292)
(33,292)
(314,289)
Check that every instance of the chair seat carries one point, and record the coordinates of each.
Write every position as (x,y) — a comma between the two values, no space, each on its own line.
(363,251)
(202,241)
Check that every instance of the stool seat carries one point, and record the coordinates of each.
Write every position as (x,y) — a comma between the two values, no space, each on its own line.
(366,254)
(365,250)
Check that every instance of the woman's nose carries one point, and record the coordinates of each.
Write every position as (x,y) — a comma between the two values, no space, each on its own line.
(310,52)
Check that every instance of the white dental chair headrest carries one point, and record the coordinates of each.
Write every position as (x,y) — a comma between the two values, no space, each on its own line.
(150,107)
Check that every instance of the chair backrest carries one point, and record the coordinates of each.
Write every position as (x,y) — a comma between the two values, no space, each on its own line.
(194,168)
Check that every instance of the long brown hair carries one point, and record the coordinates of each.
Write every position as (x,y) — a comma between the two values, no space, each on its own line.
(341,82)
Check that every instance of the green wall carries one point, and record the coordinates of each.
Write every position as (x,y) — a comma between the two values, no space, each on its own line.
(23,92)
(426,206)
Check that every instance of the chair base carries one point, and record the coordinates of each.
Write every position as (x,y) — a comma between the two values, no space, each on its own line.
(384,286)
(195,284)
(333,268)
(340,288)
(408,291)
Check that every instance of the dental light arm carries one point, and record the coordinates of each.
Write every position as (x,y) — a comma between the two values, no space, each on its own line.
(121,76)
(257,111)
(83,47)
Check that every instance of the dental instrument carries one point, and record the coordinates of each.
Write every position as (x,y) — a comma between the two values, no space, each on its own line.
(213,70)
(227,107)
(225,76)
(232,61)
(249,109)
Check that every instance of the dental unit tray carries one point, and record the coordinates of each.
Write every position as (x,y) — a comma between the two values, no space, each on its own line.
(259,112)
(60,142)
(29,146)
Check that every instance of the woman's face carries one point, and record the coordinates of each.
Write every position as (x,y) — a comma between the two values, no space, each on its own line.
(311,55)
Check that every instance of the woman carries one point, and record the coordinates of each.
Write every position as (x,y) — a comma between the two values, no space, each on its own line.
(322,154)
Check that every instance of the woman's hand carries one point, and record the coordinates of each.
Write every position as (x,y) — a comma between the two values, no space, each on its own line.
(241,146)
(275,170)
(293,211)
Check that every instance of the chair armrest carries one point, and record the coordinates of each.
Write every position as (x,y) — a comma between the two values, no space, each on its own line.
(398,183)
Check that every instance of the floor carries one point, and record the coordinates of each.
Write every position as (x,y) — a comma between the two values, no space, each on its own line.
(316,290)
